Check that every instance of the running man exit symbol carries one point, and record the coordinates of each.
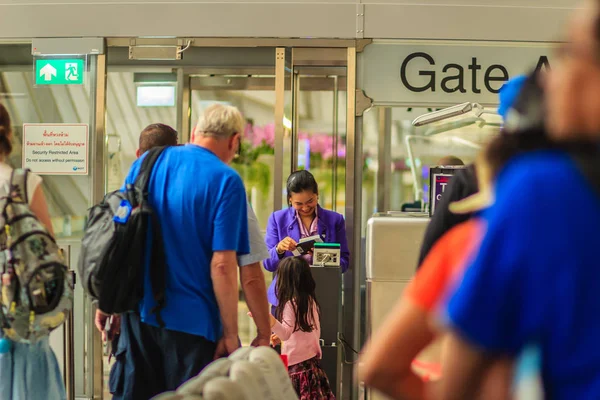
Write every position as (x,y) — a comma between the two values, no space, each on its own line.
(71,73)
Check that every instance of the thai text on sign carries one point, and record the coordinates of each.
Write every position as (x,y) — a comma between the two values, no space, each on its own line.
(56,149)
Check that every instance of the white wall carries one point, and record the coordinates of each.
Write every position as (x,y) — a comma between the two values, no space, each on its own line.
(529,20)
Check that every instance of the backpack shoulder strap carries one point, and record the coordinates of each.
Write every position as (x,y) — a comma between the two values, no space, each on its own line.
(143,178)
(157,261)
(588,162)
(18,186)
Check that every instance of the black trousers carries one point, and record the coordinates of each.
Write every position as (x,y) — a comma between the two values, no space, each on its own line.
(151,360)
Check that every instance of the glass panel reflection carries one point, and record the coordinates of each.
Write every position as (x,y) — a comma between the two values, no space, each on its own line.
(414,150)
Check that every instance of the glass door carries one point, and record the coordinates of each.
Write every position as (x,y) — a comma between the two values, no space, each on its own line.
(311,103)
(320,130)
(311,120)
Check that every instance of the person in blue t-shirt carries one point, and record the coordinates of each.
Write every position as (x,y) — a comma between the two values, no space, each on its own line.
(202,210)
(535,279)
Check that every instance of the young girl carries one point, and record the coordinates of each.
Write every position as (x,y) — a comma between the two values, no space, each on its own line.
(298,326)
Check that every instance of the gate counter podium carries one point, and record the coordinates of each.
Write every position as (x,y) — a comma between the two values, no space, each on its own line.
(328,278)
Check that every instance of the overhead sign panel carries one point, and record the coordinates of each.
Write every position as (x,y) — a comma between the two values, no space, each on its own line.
(56,149)
(59,71)
(445,73)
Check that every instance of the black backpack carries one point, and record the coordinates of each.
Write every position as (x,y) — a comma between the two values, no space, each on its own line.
(113,248)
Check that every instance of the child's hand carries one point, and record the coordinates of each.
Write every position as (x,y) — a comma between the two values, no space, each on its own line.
(275,340)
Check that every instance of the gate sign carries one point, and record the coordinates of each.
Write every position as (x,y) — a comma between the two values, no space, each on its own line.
(59,71)
(445,72)
(56,149)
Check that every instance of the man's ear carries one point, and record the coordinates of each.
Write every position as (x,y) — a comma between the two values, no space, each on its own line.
(137,153)
(233,141)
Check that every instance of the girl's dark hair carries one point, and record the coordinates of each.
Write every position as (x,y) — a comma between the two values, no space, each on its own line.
(300,181)
(295,284)
(5,129)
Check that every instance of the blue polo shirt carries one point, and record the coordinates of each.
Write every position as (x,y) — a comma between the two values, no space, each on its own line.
(201,205)
(536,279)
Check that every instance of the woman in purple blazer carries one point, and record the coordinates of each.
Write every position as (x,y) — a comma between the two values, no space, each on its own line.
(302,219)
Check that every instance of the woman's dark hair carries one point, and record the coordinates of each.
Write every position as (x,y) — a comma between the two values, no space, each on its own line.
(5,129)
(301,181)
(295,284)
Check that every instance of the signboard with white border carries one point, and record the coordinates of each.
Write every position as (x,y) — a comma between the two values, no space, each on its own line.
(56,149)
(442,73)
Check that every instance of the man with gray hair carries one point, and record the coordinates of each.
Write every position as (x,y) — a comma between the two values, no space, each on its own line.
(202,209)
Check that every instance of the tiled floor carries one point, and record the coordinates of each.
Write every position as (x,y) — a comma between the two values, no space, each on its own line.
(246,328)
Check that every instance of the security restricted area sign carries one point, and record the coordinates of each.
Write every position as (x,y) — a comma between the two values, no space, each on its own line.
(56,149)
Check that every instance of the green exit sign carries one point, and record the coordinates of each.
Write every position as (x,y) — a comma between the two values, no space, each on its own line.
(63,71)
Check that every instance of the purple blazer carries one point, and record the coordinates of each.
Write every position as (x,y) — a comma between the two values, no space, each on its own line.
(283,223)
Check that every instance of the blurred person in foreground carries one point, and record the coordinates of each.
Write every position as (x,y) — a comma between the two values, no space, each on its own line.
(406,351)
(535,279)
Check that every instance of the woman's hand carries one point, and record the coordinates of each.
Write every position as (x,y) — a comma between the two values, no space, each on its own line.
(287,244)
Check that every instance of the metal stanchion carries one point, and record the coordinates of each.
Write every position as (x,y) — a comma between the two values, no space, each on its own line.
(68,335)
(70,356)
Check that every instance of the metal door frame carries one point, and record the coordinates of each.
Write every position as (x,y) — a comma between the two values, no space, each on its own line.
(94,358)
(307,52)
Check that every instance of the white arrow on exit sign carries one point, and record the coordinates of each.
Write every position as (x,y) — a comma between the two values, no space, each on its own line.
(48,71)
